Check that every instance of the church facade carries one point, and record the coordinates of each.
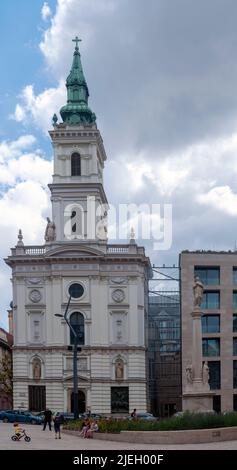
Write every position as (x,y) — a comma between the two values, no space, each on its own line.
(107,284)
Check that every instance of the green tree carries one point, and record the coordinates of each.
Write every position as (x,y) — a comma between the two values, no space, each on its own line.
(6,377)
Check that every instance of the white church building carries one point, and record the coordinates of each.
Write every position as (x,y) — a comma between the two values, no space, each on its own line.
(108,306)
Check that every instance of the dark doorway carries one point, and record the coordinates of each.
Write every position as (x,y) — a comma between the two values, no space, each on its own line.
(217,403)
(37,397)
(119,399)
(81,402)
(169,409)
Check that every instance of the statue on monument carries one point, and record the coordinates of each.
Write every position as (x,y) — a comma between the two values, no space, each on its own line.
(197,292)
(189,374)
(205,373)
(50,232)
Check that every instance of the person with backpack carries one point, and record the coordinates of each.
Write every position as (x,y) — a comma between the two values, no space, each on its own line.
(57,419)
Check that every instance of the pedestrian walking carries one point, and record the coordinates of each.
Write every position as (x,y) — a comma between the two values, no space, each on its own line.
(47,419)
(57,419)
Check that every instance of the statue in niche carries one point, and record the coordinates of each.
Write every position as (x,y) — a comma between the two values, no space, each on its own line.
(189,374)
(50,232)
(36,365)
(197,292)
(205,373)
(119,369)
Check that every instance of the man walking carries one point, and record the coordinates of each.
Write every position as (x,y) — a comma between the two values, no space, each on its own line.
(47,419)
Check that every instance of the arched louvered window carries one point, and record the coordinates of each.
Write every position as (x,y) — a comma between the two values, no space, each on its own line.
(77,322)
(74,225)
(76,164)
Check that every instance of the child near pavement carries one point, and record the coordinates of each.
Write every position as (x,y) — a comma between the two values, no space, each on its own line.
(17,429)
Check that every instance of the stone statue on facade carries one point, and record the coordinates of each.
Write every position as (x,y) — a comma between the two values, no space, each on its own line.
(197,292)
(119,370)
(54,120)
(50,232)
(205,373)
(36,369)
(189,374)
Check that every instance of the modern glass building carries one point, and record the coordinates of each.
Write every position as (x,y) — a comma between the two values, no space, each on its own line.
(218,273)
(164,354)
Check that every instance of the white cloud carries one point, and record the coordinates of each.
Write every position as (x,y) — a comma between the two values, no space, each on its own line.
(221,198)
(25,202)
(17,164)
(24,206)
(72,19)
(19,113)
(28,166)
(14,149)
(40,108)
(45,11)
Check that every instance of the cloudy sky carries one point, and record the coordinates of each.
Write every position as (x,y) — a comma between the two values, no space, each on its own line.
(162,76)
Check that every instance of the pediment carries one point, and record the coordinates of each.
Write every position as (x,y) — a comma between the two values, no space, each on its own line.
(81,379)
(74,252)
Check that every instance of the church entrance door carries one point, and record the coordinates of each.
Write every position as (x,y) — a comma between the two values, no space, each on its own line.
(81,402)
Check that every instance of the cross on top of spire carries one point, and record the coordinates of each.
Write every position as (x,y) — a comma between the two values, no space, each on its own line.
(76,111)
(76,40)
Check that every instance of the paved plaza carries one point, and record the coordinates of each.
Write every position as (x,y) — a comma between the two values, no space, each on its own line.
(46,440)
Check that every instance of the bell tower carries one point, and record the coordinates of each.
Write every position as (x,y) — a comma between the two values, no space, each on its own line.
(79,203)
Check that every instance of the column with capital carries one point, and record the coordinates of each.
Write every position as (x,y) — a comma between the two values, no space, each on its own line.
(197,395)
(197,346)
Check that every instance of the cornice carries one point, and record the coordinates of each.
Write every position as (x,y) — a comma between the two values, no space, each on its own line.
(86,349)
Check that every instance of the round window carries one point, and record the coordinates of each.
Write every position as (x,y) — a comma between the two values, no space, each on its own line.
(76,290)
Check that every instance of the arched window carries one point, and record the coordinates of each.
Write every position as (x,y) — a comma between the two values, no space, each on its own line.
(74,225)
(77,322)
(76,164)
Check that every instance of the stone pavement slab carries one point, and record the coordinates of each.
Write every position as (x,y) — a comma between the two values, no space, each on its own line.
(45,440)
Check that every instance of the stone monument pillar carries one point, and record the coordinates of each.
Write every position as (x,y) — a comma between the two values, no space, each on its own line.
(196,391)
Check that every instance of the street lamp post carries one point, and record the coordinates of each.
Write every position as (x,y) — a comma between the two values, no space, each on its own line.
(75,344)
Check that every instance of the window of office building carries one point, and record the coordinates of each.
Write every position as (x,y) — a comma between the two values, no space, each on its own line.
(235,402)
(211,323)
(211,347)
(234,346)
(211,300)
(234,374)
(234,323)
(235,275)
(235,299)
(208,276)
(214,375)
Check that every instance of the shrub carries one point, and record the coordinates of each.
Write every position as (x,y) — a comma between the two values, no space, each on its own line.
(186,421)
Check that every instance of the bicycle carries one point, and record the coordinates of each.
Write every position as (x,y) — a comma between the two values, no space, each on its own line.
(23,434)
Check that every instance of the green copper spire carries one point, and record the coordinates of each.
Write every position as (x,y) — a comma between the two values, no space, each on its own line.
(76,111)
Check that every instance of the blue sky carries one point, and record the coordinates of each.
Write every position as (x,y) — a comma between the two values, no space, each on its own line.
(162,83)
(21,60)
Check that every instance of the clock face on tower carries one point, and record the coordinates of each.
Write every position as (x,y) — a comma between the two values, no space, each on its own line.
(118,295)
